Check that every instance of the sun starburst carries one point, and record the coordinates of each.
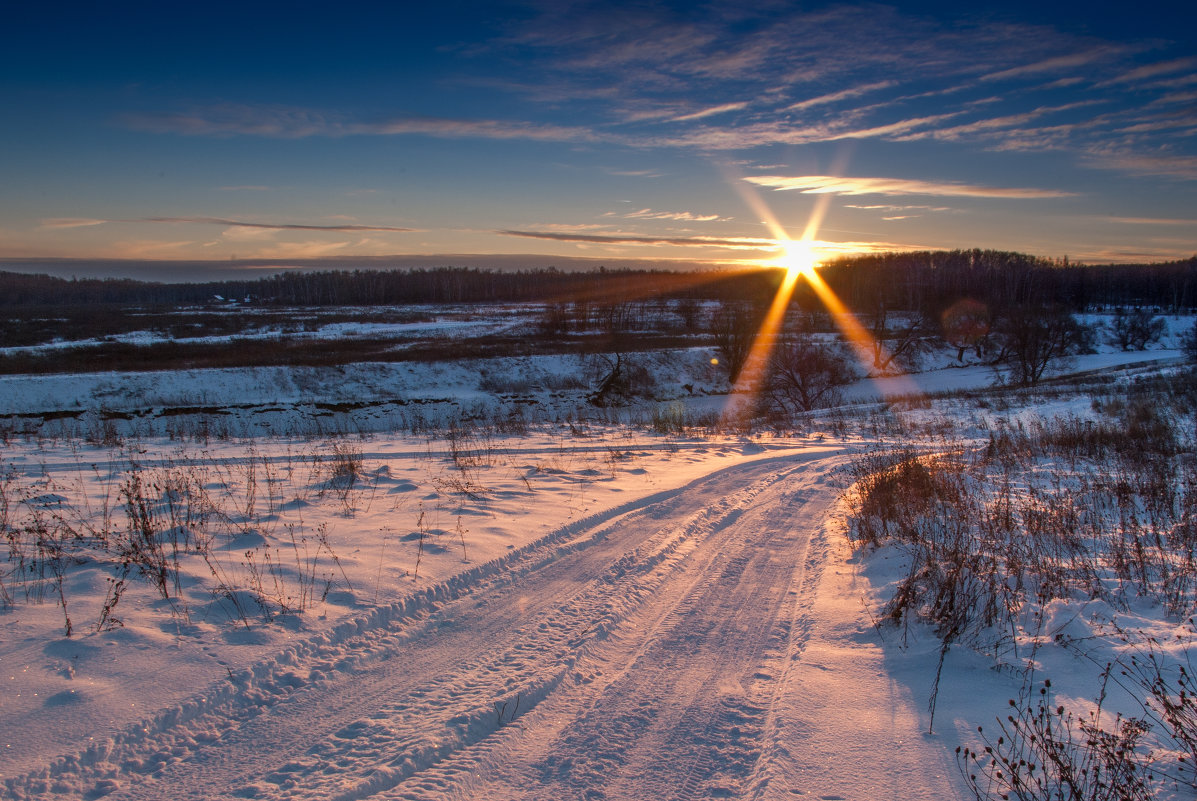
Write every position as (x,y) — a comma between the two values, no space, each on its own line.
(798,257)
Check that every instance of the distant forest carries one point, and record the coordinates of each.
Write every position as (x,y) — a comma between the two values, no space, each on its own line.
(925,281)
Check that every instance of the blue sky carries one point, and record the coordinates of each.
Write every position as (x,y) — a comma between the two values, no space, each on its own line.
(625,133)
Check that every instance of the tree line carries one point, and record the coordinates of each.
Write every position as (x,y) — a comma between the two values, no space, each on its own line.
(933,281)
(448,285)
(929,281)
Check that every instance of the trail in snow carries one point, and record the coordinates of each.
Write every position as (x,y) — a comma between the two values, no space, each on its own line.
(703,642)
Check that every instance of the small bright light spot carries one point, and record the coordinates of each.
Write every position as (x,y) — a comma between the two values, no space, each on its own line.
(798,258)
(714,361)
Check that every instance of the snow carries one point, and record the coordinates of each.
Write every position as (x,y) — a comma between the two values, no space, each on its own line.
(588,612)
(953,379)
(449,322)
(368,396)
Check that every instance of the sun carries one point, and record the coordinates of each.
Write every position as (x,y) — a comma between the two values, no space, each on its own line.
(798,257)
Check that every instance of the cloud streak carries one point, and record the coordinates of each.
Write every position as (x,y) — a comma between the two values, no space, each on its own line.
(280,122)
(680,216)
(993,126)
(843,94)
(70,222)
(767,248)
(711,112)
(222,221)
(739,243)
(1179,167)
(1149,71)
(270,226)
(1063,63)
(1150,221)
(895,208)
(826,184)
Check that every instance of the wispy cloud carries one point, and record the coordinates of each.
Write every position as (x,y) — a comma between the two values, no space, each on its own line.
(571,228)
(297,123)
(1061,63)
(1167,165)
(149,248)
(652,78)
(1166,122)
(70,222)
(993,125)
(1063,83)
(843,94)
(222,221)
(1149,71)
(651,51)
(1150,221)
(270,226)
(767,248)
(636,173)
(1176,98)
(231,119)
(895,208)
(901,127)
(1178,82)
(785,133)
(477,129)
(301,250)
(751,243)
(826,184)
(651,46)
(1131,254)
(711,112)
(1042,138)
(680,216)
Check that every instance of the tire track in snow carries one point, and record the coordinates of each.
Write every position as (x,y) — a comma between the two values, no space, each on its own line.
(675,702)
(702,676)
(388,696)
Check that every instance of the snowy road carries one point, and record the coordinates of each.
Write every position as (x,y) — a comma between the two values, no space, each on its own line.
(704,642)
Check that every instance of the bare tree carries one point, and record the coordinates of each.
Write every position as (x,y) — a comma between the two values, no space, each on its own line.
(688,310)
(1188,343)
(899,341)
(806,374)
(621,381)
(967,324)
(1033,337)
(734,326)
(1136,329)
(616,317)
(554,321)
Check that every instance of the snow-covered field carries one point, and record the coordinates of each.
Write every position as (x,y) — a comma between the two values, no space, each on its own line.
(571,610)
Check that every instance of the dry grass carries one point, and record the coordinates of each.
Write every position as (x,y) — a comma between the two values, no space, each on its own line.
(1073,509)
